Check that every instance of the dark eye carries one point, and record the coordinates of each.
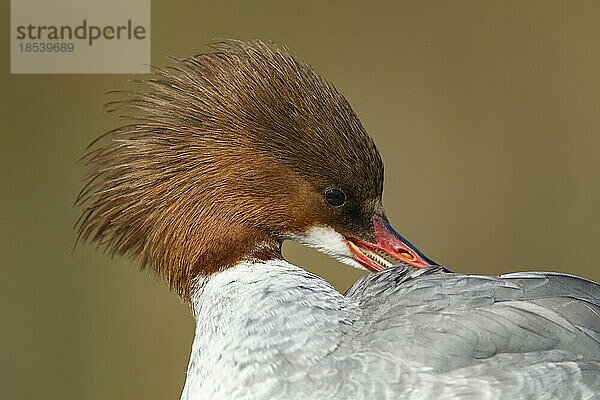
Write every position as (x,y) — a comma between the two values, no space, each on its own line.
(335,197)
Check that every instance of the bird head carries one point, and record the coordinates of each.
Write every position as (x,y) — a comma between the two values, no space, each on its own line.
(228,154)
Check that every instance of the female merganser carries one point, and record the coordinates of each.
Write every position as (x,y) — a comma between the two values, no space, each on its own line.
(233,152)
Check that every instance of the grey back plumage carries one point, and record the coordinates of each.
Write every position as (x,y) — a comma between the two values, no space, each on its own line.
(284,333)
(521,335)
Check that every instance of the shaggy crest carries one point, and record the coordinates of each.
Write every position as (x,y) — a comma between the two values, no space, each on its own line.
(222,146)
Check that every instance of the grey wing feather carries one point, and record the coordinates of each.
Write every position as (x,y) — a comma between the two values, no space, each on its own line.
(535,334)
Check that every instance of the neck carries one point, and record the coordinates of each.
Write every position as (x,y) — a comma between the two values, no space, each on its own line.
(257,317)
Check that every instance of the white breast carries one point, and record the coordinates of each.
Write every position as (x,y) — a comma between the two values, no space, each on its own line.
(261,327)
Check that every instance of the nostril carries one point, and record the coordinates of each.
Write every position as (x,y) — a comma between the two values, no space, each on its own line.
(406,255)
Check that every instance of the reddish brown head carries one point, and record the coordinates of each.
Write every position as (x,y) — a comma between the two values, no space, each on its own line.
(230,153)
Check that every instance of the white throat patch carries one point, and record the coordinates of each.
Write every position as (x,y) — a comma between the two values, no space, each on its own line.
(328,241)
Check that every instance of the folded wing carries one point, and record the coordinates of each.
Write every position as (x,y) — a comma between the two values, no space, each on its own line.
(525,334)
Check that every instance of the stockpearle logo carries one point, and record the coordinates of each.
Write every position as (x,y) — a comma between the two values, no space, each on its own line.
(87,36)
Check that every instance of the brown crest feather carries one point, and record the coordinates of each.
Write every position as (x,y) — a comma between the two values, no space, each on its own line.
(222,147)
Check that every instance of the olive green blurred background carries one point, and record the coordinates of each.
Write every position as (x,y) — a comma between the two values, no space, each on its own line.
(486,114)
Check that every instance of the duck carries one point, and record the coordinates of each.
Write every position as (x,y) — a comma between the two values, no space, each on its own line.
(231,152)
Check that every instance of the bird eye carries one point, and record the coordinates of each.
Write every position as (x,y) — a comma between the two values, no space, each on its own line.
(335,197)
